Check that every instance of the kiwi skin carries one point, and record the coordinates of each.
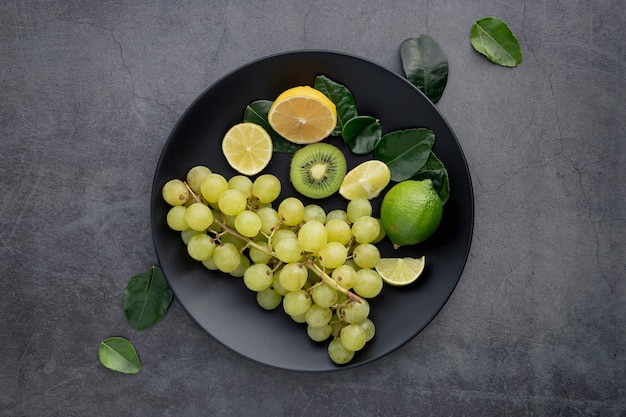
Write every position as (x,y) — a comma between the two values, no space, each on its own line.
(317,170)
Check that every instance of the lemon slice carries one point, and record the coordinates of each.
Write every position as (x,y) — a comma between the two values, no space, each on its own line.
(366,180)
(400,271)
(247,148)
(303,115)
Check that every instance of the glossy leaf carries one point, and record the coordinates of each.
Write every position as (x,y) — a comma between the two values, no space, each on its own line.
(341,96)
(118,354)
(362,133)
(146,299)
(493,38)
(256,112)
(425,65)
(434,170)
(405,152)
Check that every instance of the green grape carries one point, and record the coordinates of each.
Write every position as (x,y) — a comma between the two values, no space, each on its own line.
(266,188)
(210,264)
(313,278)
(344,275)
(314,212)
(213,186)
(258,277)
(229,220)
(175,192)
(188,234)
(199,217)
(352,337)
(233,202)
(368,283)
(368,327)
(358,207)
(336,326)
(354,312)
(201,247)
(227,257)
(341,298)
(243,266)
(291,210)
(365,229)
(241,183)
(296,303)
(259,256)
(381,233)
(332,255)
(338,353)
(282,234)
(350,262)
(337,214)
(217,216)
(319,334)
(312,236)
(338,230)
(269,219)
(276,285)
(317,316)
(324,296)
(248,223)
(176,218)
(288,250)
(366,255)
(195,176)
(268,299)
(235,240)
(293,276)
(298,318)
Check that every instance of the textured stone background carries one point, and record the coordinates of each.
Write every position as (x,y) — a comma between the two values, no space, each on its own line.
(90,92)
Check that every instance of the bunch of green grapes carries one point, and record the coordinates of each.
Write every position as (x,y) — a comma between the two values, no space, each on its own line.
(319,266)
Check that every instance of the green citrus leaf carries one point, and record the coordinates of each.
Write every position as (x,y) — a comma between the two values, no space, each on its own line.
(362,133)
(146,299)
(493,38)
(434,170)
(341,96)
(405,152)
(118,354)
(425,65)
(256,112)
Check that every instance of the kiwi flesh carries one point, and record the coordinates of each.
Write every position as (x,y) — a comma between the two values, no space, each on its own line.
(317,170)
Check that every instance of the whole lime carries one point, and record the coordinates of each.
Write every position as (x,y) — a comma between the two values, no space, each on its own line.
(411,212)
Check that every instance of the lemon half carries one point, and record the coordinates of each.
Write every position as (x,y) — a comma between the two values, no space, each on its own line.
(303,115)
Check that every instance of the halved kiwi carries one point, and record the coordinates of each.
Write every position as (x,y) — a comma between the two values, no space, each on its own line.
(317,170)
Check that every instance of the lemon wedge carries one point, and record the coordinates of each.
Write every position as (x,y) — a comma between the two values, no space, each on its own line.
(366,180)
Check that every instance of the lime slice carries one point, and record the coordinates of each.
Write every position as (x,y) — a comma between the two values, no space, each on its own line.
(400,271)
(366,180)
(247,148)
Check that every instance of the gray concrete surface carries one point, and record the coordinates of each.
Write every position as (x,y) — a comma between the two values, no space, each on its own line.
(90,92)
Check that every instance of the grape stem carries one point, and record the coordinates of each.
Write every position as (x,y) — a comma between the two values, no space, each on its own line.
(310,265)
(193,195)
(332,283)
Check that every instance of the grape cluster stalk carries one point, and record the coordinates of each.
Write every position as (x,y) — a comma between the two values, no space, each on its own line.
(318,266)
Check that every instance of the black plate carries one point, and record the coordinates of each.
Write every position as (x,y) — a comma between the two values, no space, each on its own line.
(220,303)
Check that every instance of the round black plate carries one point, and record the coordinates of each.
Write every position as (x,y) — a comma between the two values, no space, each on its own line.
(220,303)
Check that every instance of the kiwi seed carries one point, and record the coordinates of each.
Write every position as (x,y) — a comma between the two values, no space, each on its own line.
(317,170)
